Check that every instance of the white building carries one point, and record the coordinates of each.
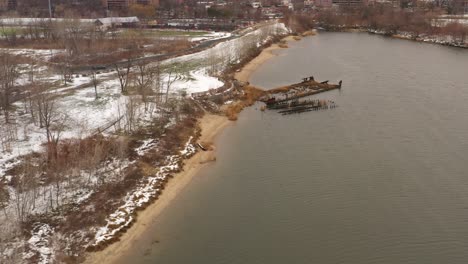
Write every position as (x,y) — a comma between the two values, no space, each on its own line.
(256,4)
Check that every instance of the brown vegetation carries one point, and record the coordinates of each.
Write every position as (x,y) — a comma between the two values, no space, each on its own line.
(250,96)
(105,160)
(309,33)
(283,44)
(417,23)
(88,44)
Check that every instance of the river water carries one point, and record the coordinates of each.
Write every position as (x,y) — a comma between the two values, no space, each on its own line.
(383,178)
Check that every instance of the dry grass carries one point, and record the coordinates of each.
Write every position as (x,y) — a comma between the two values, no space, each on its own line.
(309,33)
(282,89)
(234,109)
(109,51)
(147,169)
(251,95)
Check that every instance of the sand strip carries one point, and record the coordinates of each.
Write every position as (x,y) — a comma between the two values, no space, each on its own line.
(244,74)
(211,125)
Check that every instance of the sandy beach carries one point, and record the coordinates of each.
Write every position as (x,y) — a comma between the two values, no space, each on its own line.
(265,55)
(211,126)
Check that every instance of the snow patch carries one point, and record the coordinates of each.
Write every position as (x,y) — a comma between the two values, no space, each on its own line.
(145,193)
(212,36)
(145,146)
(40,244)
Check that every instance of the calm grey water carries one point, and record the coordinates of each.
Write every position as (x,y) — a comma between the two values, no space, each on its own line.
(383,178)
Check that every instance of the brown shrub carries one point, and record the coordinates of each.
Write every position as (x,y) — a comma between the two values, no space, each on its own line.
(234,109)
(309,33)
(251,95)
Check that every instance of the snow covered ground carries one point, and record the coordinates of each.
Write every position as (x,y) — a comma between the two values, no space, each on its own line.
(441,22)
(85,114)
(44,54)
(145,193)
(231,51)
(212,36)
(442,40)
(197,81)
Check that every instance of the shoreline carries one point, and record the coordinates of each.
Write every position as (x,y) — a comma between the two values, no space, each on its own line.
(211,127)
(244,74)
(401,36)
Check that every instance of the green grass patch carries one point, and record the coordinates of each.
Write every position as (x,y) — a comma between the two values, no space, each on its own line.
(9,31)
(165,33)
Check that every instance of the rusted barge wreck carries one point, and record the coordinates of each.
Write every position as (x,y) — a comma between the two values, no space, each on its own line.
(286,98)
(307,87)
(307,106)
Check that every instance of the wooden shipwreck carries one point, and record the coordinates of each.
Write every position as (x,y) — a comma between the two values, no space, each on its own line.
(286,98)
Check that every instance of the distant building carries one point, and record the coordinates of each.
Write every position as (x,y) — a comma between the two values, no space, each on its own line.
(288,4)
(104,23)
(109,4)
(8,5)
(464,6)
(123,4)
(256,4)
(205,24)
(112,22)
(272,12)
(323,3)
(349,2)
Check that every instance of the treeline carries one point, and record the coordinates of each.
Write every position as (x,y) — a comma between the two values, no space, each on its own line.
(86,43)
(59,8)
(417,22)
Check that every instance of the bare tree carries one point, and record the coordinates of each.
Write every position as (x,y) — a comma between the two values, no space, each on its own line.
(95,82)
(130,114)
(145,80)
(65,68)
(157,82)
(70,32)
(32,69)
(8,134)
(54,122)
(173,74)
(24,193)
(123,74)
(457,31)
(9,73)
